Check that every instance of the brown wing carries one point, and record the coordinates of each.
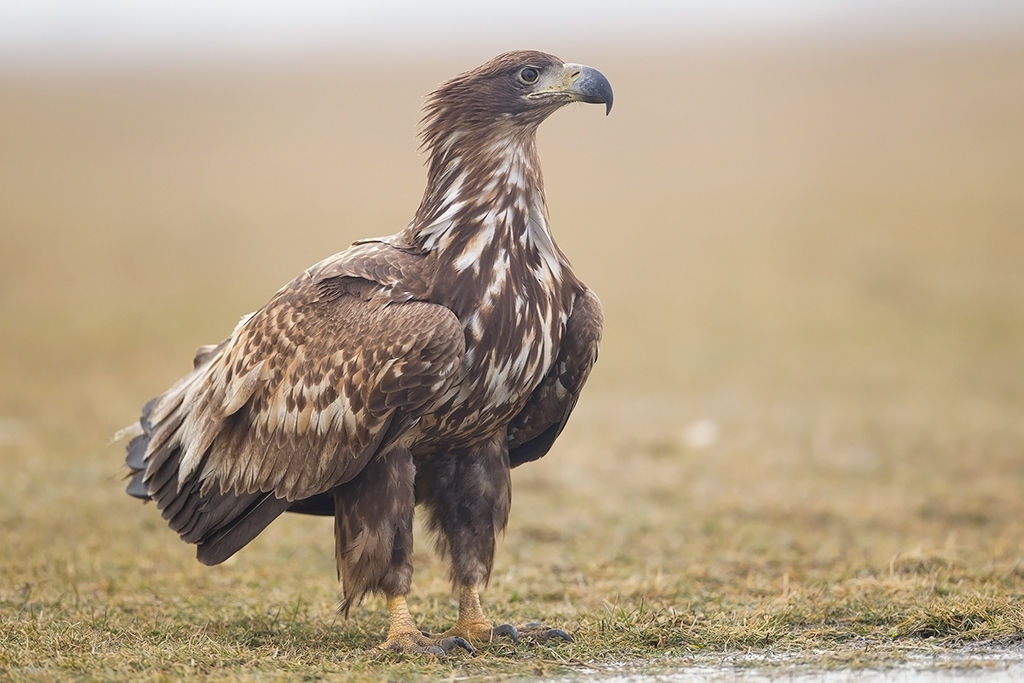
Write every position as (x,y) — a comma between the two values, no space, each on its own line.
(295,402)
(378,260)
(532,432)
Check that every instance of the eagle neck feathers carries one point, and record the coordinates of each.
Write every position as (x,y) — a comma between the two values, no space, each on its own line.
(483,221)
(484,210)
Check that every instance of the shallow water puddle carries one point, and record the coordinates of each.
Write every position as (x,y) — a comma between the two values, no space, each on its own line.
(982,664)
(1012,673)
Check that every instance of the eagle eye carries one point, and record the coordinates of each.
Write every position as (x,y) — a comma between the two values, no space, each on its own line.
(529,74)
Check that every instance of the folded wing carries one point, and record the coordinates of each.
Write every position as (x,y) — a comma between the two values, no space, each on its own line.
(535,428)
(300,397)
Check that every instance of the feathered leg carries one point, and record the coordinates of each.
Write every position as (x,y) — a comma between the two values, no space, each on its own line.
(373,516)
(467,495)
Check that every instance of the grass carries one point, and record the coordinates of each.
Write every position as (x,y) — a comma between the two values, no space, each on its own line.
(818,250)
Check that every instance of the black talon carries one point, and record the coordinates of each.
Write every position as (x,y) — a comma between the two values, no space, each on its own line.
(557,633)
(456,641)
(434,650)
(539,633)
(507,630)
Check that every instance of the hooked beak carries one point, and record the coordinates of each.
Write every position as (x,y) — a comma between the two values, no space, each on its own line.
(589,85)
(586,84)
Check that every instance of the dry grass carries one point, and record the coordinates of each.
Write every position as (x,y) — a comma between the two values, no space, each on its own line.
(821,250)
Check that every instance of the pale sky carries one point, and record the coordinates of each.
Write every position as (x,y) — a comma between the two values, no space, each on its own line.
(83,32)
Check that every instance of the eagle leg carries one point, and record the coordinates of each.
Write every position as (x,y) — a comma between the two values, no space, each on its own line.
(373,528)
(403,636)
(473,625)
(467,495)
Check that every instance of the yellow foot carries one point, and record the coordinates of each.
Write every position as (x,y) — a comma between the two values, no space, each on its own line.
(481,632)
(473,626)
(418,643)
(403,636)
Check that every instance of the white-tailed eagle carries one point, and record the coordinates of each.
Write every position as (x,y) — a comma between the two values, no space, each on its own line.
(415,369)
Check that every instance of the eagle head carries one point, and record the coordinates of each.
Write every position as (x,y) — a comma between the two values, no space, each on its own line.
(519,89)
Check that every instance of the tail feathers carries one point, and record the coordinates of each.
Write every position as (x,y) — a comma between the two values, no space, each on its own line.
(147,410)
(136,456)
(137,464)
(136,459)
(137,487)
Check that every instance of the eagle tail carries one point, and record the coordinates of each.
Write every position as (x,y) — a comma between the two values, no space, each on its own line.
(136,452)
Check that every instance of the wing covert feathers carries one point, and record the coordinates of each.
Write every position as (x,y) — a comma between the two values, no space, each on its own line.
(402,274)
(293,403)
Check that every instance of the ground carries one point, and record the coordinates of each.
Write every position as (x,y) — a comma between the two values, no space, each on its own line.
(803,439)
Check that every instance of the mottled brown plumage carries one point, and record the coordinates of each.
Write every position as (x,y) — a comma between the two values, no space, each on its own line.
(411,369)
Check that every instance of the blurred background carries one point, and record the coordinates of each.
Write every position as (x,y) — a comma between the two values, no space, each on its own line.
(120,33)
(805,220)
